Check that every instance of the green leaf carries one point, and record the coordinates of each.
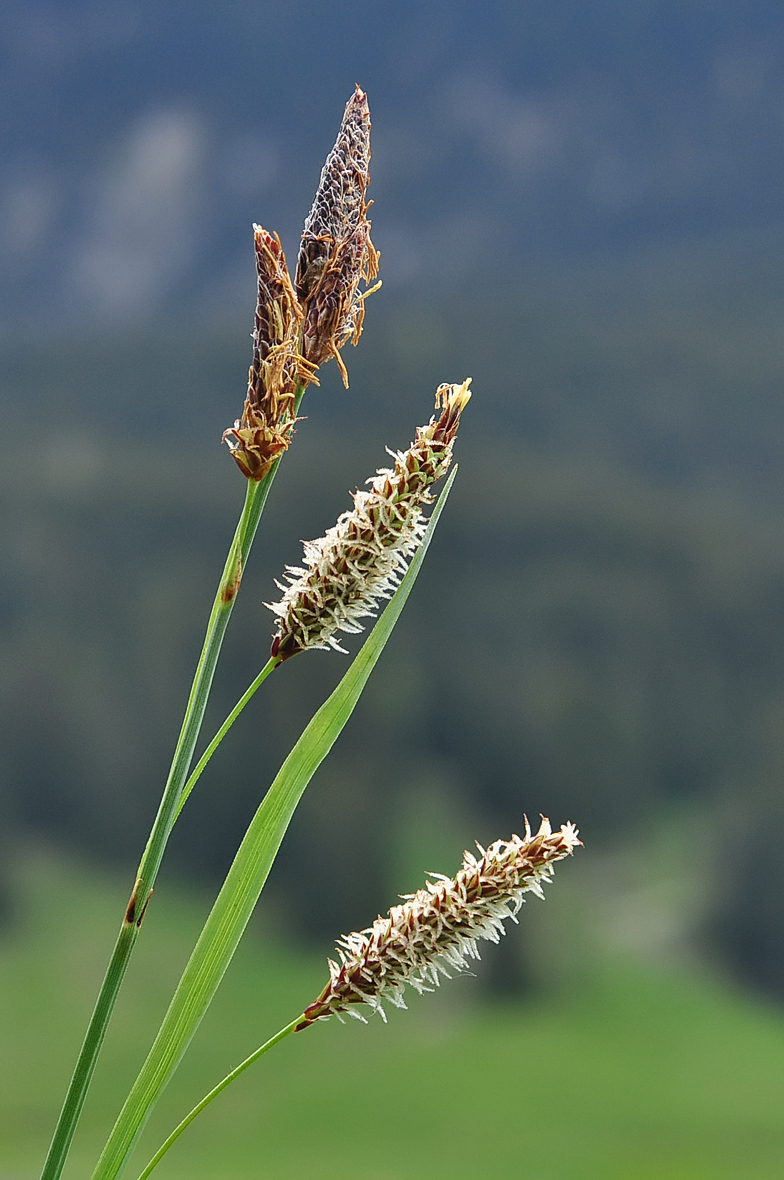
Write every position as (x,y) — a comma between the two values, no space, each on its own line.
(246,877)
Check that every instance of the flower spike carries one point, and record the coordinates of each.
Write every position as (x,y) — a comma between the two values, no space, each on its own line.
(362,558)
(436,929)
(336,252)
(267,424)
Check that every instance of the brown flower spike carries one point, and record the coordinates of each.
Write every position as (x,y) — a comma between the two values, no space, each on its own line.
(264,431)
(437,928)
(362,558)
(336,253)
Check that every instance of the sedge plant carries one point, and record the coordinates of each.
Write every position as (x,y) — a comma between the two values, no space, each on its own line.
(373,553)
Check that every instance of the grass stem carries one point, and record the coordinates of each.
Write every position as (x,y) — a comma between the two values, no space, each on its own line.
(196,773)
(214,1092)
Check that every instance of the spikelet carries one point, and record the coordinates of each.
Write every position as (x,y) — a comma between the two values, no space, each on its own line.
(362,558)
(436,929)
(336,253)
(264,431)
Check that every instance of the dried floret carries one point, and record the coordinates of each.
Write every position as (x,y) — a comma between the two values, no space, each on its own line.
(336,254)
(277,369)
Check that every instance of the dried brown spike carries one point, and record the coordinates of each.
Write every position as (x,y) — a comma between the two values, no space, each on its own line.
(339,204)
(336,253)
(277,315)
(264,432)
(337,309)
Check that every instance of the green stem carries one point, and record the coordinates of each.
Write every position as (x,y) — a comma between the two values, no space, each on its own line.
(216,1090)
(196,773)
(255,498)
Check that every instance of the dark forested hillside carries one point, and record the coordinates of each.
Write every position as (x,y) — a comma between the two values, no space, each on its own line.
(597,633)
(580,206)
(140,140)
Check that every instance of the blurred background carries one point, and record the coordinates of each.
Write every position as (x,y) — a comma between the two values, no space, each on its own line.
(582,206)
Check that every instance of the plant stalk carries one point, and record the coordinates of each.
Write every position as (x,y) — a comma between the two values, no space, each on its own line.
(214,1092)
(255,498)
(196,773)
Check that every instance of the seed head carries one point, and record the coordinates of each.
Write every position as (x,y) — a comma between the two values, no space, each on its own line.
(339,203)
(437,928)
(336,252)
(362,558)
(264,431)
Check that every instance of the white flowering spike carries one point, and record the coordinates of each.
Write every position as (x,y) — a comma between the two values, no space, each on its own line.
(437,928)
(362,558)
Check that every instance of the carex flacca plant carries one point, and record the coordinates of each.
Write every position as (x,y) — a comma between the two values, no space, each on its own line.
(371,555)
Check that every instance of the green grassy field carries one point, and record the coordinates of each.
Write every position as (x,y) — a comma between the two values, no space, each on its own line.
(626,1073)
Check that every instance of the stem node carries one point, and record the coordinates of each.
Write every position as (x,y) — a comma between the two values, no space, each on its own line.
(130,913)
(231,586)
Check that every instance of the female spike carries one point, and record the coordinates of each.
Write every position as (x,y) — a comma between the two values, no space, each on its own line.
(362,558)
